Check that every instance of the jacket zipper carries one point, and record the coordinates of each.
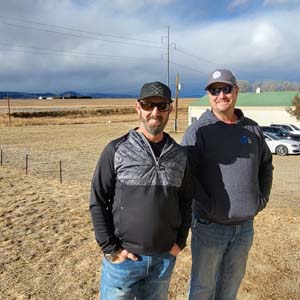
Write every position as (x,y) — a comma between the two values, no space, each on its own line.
(155,159)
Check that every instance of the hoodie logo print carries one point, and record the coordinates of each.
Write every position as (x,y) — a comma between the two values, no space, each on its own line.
(244,140)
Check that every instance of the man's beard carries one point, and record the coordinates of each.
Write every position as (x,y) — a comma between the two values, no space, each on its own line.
(154,129)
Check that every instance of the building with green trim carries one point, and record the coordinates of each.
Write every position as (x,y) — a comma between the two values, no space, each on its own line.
(265,108)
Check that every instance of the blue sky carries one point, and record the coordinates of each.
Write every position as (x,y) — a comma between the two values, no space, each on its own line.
(117,45)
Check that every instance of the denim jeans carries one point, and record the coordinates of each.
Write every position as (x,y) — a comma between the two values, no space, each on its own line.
(219,258)
(148,278)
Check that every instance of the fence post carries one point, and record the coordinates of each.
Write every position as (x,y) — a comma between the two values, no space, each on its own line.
(26,164)
(60,171)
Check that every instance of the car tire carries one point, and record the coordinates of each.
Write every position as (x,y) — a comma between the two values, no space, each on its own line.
(281,150)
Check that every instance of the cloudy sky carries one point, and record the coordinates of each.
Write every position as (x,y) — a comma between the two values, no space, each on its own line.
(117,45)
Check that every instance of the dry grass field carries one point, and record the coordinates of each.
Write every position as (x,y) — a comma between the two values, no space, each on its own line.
(47,245)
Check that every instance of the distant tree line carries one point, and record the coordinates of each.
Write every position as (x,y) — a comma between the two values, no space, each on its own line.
(268,86)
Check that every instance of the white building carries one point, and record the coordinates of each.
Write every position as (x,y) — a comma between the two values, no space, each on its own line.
(264,107)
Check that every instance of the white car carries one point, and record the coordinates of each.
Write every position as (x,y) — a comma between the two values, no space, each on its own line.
(292,129)
(281,146)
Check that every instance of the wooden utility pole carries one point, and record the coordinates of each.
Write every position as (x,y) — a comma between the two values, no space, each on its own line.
(176,102)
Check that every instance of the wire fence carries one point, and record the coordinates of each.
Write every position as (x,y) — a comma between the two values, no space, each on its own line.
(286,177)
(52,165)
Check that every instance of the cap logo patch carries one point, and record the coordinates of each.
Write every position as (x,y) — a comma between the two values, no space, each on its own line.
(216,75)
(158,90)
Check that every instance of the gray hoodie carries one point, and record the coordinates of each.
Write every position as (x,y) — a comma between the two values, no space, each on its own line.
(232,168)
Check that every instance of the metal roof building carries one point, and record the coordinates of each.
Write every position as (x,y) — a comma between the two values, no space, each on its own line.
(265,108)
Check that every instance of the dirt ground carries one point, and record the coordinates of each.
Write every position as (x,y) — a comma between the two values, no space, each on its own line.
(47,244)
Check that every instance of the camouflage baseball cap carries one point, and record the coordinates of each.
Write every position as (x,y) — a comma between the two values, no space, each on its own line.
(221,75)
(155,89)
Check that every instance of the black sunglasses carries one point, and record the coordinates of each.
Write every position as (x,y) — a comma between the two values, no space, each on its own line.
(227,89)
(149,106)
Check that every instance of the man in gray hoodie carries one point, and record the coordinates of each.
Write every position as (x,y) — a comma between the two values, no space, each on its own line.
(232,168)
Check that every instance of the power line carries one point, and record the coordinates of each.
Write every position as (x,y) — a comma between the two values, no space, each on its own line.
(56,52)
(78,33)
(101,39)
(196,57)
(81,36)
(71,53)
(78,30)
(112,58)
(186,67)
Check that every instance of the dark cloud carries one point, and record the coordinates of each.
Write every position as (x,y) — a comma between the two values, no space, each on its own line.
(117,45)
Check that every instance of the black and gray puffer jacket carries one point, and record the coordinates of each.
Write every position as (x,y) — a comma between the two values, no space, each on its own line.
(139,202)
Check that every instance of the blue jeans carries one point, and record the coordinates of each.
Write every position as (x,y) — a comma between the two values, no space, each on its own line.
(219,258)
(145,279)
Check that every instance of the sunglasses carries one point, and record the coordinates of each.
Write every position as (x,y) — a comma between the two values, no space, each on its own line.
(149,106)
(227,89)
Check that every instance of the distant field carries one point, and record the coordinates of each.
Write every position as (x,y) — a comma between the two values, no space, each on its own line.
(69,104)
(34,104)
(47,245)
(79,111)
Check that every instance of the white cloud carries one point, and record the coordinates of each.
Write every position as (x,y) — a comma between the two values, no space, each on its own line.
(263,46)
(237,3)
(134,5)
(281,2)
(264,38)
